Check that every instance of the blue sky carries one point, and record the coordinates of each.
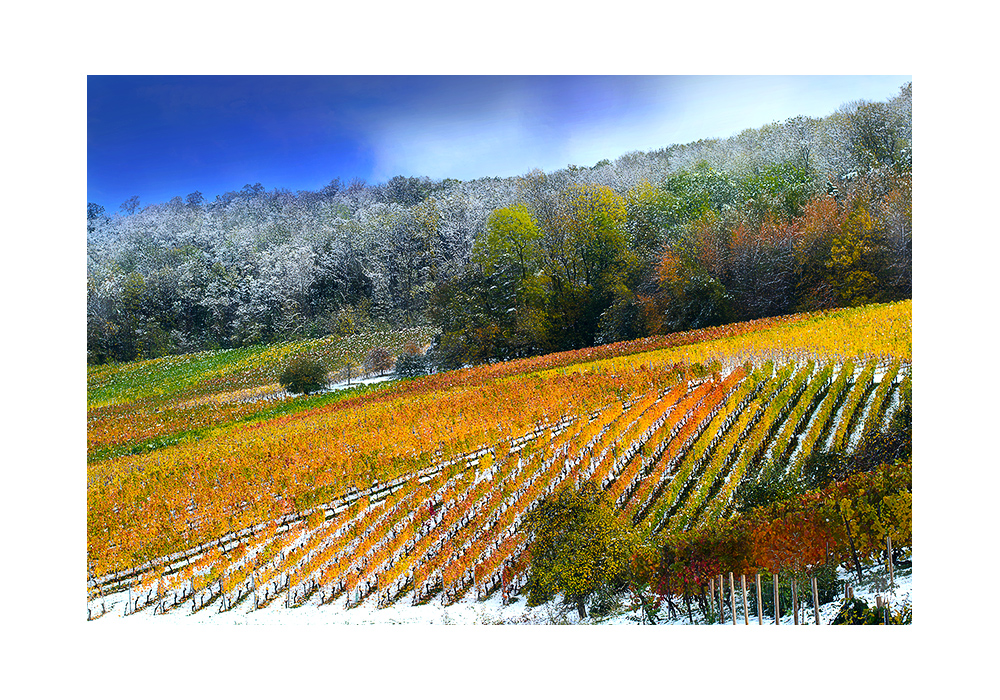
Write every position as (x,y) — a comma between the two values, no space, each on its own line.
(163,136)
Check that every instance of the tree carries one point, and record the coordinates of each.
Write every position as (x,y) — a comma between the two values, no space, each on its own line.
(590,235)
(873,139)
(761,267)
(379,360)
(587,259)
(95,216)
(649,217)
(195,200)
(303,375)
(688,296)
(512,242)
(858,259)
(130,206)
(411,363)
(579,548)
(821,222)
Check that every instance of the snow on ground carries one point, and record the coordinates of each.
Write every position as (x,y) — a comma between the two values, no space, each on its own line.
(279,393)
(465,612)
(354,382)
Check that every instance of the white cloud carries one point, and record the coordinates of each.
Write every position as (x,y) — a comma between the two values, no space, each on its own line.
(521,127)
(460,146)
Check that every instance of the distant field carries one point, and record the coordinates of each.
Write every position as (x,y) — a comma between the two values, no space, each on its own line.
(137,407)
(877,331)
(419,488)
(188,376)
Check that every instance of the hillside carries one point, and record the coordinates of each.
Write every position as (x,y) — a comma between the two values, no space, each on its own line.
(795,216)
(207,491)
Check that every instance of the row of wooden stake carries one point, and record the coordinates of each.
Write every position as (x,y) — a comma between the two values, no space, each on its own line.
(720,599)
(848,593)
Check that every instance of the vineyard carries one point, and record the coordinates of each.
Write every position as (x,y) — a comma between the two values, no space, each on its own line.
(420,492)
(141,406)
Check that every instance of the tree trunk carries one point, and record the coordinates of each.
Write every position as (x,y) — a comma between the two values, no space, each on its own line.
(580,607)
(850,542)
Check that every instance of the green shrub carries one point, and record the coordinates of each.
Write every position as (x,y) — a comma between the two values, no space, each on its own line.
(411,364)
(857,612)
(579,549)
(303,375)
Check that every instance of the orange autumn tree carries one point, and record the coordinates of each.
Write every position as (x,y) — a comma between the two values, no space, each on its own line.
(792,538)
(820,223)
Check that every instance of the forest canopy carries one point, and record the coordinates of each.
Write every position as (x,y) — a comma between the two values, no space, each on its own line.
(801,215)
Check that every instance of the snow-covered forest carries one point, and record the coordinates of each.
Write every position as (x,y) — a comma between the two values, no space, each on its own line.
(804,214)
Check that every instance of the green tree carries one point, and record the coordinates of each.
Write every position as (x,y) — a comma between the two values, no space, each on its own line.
(692,193)
(779,189)
(580,548)
(411,363)
(511,243)
(590,236)
(587,260)
(649,217)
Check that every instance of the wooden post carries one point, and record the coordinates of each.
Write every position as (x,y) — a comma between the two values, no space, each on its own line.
(711,593)
(795,602)
(732,597)
(722,600)
(815,599)
(743,585)
(777,613)
(888,552)
(760,606)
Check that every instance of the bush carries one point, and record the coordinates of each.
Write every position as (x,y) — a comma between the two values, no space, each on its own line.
(411,364)
(579,549)
(857,612)
(303,375)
